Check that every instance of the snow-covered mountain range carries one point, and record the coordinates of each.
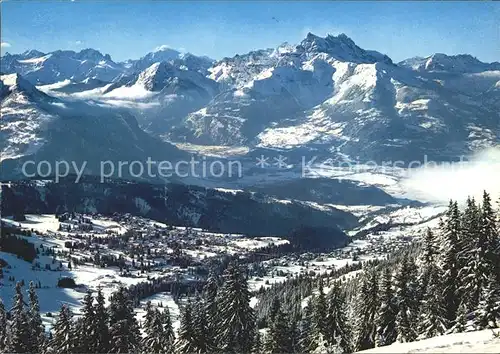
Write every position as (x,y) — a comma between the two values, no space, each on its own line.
(322,95)
(37,127)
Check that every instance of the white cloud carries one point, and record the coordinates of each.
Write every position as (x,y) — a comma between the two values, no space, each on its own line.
(459,180)
(6,45)
(162,47)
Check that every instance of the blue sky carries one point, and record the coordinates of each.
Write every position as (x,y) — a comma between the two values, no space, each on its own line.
(130,29)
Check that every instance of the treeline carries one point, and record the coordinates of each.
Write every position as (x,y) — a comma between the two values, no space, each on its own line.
(451,284)
(18,246)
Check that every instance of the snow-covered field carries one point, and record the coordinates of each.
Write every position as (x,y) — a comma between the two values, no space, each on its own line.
(49,223)
(160,301)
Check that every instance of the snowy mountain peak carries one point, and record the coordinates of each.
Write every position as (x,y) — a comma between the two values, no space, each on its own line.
(92,54)
(15,82)
(340,47)
(32,53)
(461,63)
(154,77)
(161,53)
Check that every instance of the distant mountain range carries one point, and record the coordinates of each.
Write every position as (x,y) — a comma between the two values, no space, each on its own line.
(321,96)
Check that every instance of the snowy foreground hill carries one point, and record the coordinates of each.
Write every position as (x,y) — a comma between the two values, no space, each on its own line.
(486,341)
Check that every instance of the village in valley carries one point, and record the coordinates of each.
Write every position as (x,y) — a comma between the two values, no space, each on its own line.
(68,254)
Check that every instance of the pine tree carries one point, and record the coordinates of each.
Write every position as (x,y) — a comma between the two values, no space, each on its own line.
(148,318)
(488,228)
(210,299)
(367,305)
(101,325)
(18,339)
(124,329)
(200,327)
(405,302)
(154,332)
(237,324)
(461,324)
(424,260)
(62,340)
(3,327)
(319,324)
(433,321)
(385,320)
(279,339)
(488,312)
(185,336)
(306,341)
(448,260)
(168,338)
(257,345)
(338,329)
(77,336)
(275,307)
(88,335)
(37,329)
(294,333)
(472,248)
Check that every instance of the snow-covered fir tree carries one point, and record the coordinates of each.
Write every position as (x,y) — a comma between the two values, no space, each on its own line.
(62,339)
(425,259)
(488,228)
(37,329)
(306,340)
(88,336)
(279,337)
(448,260)
(18,334)
(210,299)
(488,311)
(153,341)
(433,321)
(237,324)
(405,302)
(101,324)
(385,320)
(124,329)
(202,341)
(337,324)
(367,305)
(185,342)
(319,324)
(472,248)
(168,337)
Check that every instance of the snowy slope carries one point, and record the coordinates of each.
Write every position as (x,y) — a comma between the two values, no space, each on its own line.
(471,342)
